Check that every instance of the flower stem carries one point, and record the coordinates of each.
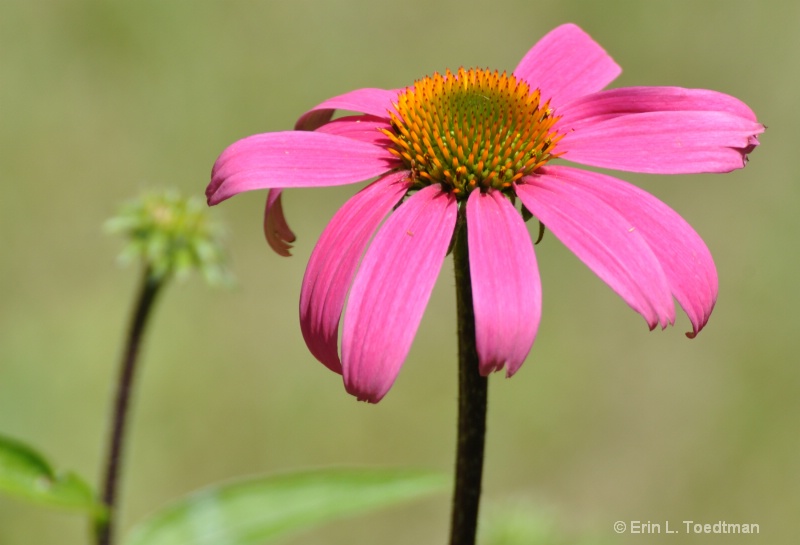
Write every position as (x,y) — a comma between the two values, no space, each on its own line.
(148,291)
(472,390)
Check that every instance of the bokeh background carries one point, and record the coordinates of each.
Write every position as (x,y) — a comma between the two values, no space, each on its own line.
(100,100)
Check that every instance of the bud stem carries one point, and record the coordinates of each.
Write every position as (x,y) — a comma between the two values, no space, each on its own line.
(150,288)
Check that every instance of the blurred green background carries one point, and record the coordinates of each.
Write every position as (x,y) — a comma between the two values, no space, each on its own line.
(605,422)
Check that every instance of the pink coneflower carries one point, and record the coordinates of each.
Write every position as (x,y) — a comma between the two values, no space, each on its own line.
(477,142)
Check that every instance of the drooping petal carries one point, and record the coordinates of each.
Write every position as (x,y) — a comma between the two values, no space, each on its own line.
(375,102)
(664,142)
(334,261)
(604,240)
(565,64)
(391,291)
(683,255)
(365,128)
(294,159)
(276,230)
(636,100)
(506,290)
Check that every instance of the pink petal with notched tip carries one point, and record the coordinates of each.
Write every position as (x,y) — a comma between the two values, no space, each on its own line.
(565,64)
(371,101)
(603,239)
(391,291)
(683,255)
(506,290)
(276,230)
(334,261)
(636,100)
(294,159)
(663,142)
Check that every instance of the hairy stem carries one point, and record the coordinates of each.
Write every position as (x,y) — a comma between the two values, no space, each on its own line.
(472,390)
(148,291)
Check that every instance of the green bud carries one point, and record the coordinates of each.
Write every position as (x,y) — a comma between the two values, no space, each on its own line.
(171,235)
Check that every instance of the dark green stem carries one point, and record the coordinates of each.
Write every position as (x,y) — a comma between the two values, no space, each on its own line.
(147,295)
(472,389)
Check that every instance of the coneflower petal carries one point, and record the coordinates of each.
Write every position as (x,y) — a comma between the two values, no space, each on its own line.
(567,63)
(371,101)
(603,239)
(334,261)
(506,289)
(683,255)
(294,159)
(391,291)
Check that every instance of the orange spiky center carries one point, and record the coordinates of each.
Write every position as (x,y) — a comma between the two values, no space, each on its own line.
(473,129)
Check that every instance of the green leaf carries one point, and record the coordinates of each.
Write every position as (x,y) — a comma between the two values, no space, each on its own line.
(257,510)
(25,473)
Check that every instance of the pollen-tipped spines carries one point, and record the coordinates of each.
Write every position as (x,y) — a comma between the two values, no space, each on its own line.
(473,129)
